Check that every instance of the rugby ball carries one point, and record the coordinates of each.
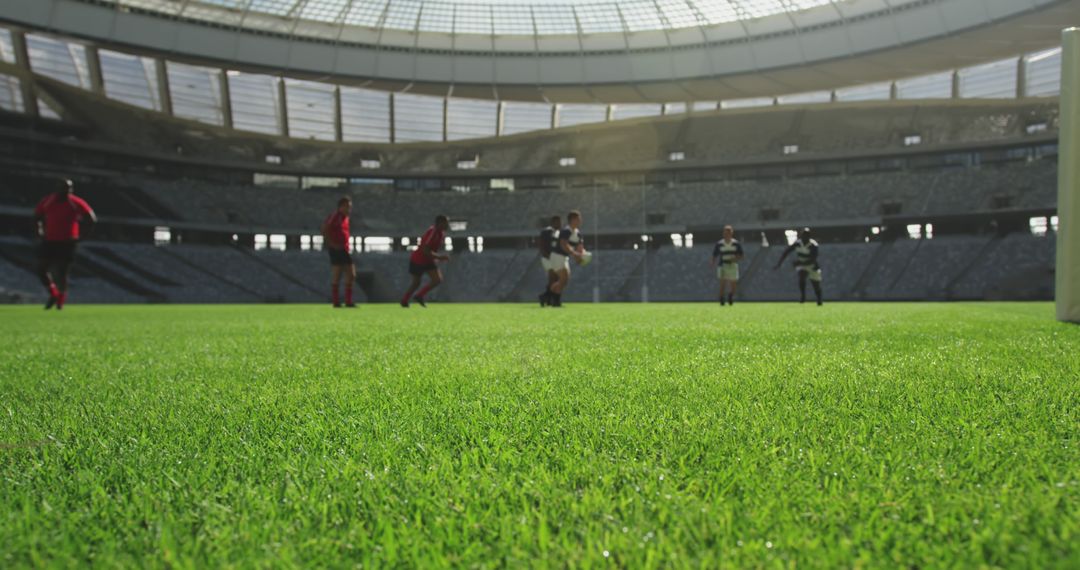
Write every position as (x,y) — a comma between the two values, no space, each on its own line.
(586,258)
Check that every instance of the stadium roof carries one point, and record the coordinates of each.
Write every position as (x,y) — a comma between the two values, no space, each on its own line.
(585,51)
(497,17)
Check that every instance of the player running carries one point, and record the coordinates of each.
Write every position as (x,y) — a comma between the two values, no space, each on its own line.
(571,245)
(423,261)
(549,242)
(725,259)
(806,264)
(335,231)
(57,217)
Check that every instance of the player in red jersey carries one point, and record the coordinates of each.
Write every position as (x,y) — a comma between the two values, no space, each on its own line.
(423,261)
(57,217)
(335,231)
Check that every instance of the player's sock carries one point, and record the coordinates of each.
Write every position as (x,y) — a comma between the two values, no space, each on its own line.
(335,295)
(817,292)
(558,300)
(731,299)
(54,296)
(424,291)
(348,296)
(60,300)
(721,299)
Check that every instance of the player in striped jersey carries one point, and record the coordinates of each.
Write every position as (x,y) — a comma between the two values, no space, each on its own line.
(806,264)
(571,245)
(725,259)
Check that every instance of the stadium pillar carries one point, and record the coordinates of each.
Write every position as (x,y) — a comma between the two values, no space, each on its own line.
(956,84)
(283,107)
(26,85)
(93,66)
(163,86)
(339,131)
(226,100)
(393,127)
(555,116)
(1068,235)
(1021,78)
(500,114)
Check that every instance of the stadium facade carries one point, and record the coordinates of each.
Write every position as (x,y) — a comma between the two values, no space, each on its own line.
(918,138)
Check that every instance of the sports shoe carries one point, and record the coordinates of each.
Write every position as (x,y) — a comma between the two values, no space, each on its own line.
(49,304)
(337,305)
(420,300)
(404,304)
(543,299)
(350,305)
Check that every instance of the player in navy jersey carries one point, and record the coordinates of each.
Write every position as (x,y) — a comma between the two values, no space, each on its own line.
(548,243)
(335,231)
(726,256)
(806,264)
(571,246)
(57,217)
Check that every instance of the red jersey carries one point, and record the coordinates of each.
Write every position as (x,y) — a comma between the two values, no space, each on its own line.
(62,213)
(337,225)
(434,239)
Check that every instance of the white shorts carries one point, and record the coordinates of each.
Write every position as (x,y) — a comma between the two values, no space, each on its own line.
(545,262)
(811,273)
(727,271)
(558,262)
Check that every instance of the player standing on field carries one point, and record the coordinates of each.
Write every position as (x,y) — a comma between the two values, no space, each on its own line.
(549,242)
(571,246)
(423,261)
(335,231)
(806,264)
(725,259)
(57,217)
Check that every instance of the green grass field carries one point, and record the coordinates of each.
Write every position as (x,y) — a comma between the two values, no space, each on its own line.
(644,436)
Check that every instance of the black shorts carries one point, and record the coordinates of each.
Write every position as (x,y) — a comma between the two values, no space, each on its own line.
(57,251)
(420,268)
(339,257)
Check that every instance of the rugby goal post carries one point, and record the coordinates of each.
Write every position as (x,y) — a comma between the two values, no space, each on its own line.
(1067,277)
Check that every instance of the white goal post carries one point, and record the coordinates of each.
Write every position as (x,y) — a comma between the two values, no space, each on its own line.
(1068,236)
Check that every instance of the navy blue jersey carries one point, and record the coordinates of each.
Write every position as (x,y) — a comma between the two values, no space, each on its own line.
(549,239)
(572,237)
(728,252)
(807,253)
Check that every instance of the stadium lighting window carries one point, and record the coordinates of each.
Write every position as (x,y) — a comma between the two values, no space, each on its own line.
(461,188)
(479,244)
(876,230)
(677,156)
(468,164)
(676,240)
(928,231)
(688,240)
(791,236)
(1038,226)
(914,231)
(476,244)
(502,184)
(1035,128)
(913,140)
(317,243)
(448,244)
(260,241)
(162,235)
(568,161)
(459,225)
(273,159)
(790,149)
(378,244)
(305,243)
(277,242)
(370,164)
(1054,223)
